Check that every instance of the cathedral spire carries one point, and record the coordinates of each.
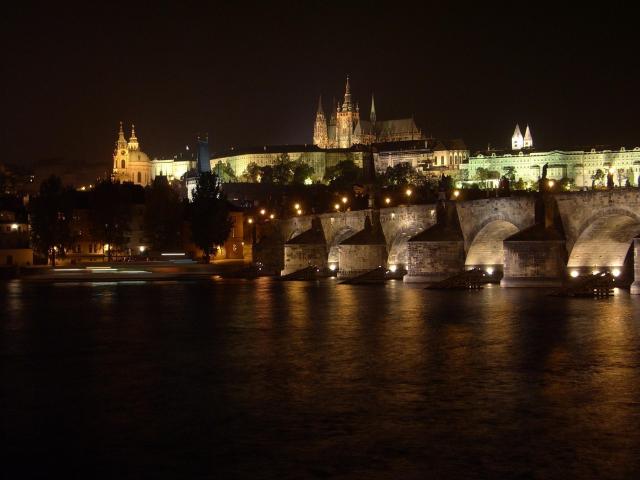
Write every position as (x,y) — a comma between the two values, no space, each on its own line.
(320,133)
(347,97)
(320,111)
(372,117)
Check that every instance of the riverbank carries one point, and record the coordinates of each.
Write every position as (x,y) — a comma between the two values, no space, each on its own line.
(138,271)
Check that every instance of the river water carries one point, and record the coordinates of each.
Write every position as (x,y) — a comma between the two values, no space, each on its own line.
(267,379)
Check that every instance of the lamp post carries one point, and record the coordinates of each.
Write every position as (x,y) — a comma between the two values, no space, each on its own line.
(408,193)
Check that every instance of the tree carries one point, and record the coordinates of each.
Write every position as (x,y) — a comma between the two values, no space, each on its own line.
(343,175)
(226,173)
(110,213)
(266,174)
(484,174)
(597,178)
(252,173)
(519,185)
(210,220)
(301,171)
(402,174)
(510,174)
(163,215)
(51,213)
(283,170)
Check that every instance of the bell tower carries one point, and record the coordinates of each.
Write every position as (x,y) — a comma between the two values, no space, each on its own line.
(348,115)
(320,137)
(120,156)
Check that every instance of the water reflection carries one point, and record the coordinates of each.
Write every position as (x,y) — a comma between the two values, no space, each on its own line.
(264,378)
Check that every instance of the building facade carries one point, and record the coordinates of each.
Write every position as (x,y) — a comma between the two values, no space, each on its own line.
(319,159)
(131,164)
(581,167)
(346,128)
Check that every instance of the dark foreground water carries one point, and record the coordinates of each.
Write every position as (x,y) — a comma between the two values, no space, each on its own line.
(265,379)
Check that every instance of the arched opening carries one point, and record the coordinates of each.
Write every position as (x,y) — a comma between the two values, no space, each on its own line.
(139,177)
(398,256)
(340,235)
(606,245)
(486,250)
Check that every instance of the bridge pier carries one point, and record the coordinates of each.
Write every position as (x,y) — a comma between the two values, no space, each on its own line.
(535,257)
(438,252)
(364,251)
(307,249)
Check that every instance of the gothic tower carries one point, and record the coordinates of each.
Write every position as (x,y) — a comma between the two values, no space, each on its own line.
(372,117)
(320,136)
(347,117)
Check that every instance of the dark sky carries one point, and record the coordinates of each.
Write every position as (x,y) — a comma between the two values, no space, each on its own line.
(251,76)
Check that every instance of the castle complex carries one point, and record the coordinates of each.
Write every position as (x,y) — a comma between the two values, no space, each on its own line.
(345,127)
(580,167)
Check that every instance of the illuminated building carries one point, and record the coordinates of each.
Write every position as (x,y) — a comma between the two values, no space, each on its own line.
(131,164)
(581,167)
(346,128)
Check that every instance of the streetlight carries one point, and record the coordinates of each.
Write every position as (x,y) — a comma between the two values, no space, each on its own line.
(387,200)
(408,192)
(337,207)
(272,216)
(250,220)
(296,206)
(263,211)
(551,183)
(299,211)
(345,200)
(456,193)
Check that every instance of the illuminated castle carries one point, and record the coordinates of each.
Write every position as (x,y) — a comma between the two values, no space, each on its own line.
(345,127)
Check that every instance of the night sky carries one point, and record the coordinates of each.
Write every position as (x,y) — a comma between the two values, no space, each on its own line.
(252,76)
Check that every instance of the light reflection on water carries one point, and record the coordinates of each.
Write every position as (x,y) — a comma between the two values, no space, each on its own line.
(297,379)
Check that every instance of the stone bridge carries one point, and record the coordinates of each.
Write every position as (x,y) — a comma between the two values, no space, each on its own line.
(595,230)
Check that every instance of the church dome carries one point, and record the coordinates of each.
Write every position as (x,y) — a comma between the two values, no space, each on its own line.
(138,156)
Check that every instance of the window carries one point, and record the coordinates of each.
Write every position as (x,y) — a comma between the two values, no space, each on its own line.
(122,164)
(139,177)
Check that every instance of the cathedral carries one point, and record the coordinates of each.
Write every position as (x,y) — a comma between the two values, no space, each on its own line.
(345,127)
(130,164)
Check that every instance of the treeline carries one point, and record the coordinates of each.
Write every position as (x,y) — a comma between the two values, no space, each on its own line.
(61,216)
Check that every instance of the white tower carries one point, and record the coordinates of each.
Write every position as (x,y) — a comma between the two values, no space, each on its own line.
(517,142)
(528,139)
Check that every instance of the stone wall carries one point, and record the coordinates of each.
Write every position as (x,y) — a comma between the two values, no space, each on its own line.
(432,261)
(297,257)
(357,259)
(534,263)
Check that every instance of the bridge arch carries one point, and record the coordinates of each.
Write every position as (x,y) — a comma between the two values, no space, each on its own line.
(486,248)
(341,234)
(397,249)
(604,242)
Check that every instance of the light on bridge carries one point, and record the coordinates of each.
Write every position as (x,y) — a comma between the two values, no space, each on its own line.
(615,272)
(489,270)
(574,273)
(393,268)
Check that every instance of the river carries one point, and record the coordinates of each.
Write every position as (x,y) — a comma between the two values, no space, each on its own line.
(268,379)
